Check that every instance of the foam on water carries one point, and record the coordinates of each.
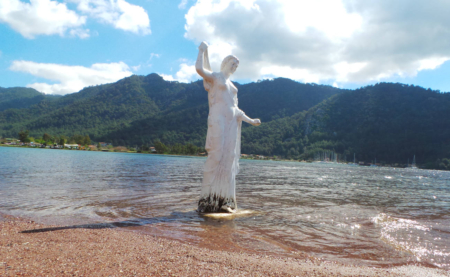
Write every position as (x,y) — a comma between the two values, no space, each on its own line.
(423,240)
(238,213)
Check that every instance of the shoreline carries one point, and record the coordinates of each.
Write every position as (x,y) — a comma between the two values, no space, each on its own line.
(29,248)
(205,156)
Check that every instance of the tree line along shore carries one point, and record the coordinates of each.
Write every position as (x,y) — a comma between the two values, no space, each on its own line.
(83,142)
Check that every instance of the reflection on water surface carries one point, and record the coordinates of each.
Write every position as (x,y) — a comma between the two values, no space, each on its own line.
(362,215)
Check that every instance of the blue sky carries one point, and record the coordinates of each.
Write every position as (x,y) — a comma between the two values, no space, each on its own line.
(59,47)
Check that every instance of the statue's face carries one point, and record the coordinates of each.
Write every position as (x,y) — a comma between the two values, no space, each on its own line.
(232,65)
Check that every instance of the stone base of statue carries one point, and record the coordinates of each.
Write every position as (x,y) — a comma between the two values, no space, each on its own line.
(215,204)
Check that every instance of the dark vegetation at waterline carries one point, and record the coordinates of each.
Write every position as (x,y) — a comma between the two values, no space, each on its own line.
(24,136)
(387,122)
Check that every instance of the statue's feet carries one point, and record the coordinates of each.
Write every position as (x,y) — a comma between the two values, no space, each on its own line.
(228,209)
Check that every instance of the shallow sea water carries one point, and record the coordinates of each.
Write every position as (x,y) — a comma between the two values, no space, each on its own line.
(354,215)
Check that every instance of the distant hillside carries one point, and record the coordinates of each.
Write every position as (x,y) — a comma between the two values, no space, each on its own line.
(19,98)
(281,97)
(139,109)
(387,122)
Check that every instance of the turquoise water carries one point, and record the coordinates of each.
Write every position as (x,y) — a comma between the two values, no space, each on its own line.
(357,215)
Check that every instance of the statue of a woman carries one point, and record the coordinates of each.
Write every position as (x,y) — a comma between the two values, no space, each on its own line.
(223,140)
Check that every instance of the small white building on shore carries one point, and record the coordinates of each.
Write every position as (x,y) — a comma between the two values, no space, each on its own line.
(71,146)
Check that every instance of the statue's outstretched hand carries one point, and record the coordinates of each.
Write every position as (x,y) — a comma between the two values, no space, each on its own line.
(203,46)
(256,122)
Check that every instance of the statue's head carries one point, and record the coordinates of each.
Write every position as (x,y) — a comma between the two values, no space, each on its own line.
(229,64)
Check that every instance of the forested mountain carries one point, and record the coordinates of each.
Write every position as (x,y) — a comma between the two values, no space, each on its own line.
(139,109)
(387,122)
(19,98)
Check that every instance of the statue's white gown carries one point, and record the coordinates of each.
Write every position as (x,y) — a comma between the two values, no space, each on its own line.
(223,143)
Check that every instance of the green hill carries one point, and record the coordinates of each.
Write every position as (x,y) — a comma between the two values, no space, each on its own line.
(387,122)
(139,109)
(19,98)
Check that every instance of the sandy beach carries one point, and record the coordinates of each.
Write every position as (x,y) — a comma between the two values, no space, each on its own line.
(31,249)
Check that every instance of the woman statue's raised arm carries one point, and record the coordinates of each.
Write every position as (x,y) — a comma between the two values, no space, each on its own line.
(202,65)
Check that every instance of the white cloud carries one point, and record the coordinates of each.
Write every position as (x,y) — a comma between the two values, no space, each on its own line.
(71,78)
(167,77)
(329,17)
(154,55)
(41,17)
(324,40)
(431,63)
(182,4)
(186,74)
(49,17)
(289,72)
(80,33)
(118,13)
(136,68)
(343,69)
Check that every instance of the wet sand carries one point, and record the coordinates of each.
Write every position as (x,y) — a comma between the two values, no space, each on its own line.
(31,249)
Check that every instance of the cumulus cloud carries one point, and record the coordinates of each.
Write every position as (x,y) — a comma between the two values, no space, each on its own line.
(167,77)
(118,13)
(49,17)
(336,40)
(42,17)
(185,74)
(71,78)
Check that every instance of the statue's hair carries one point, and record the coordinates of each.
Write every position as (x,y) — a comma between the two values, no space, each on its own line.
(227,60)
